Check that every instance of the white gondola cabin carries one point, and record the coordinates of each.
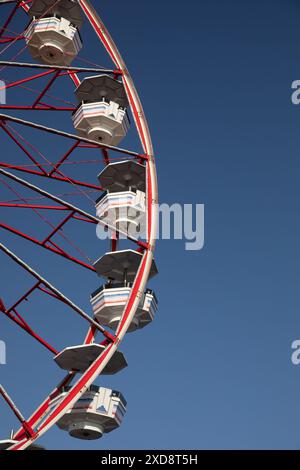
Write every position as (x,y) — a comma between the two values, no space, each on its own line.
(98,411)
(108,304)
(123,205)
(101,114)
(53,35)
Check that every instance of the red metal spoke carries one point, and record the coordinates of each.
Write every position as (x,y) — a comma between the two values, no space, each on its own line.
(84,219)
(27,428)
(47,87)
(87,146)
(48,247)
(27,79)
(40,107)
(24,5)
(42,409)
(37,206)
(16,318)
(65,156)
(67,69)
(62,297)
(91,334)
(58,247)
(32,333)
(57,132)
(114,241)
(48,292)
(74,77)
(24,297)
(58,227)
(48,195)
(5,40)
(63,179)
(105,156)
(21,146)
(142,244)
(9,19)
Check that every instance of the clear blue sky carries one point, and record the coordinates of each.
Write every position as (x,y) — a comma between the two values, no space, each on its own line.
(214,369)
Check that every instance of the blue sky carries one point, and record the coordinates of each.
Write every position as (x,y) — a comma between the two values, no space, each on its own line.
(214,369)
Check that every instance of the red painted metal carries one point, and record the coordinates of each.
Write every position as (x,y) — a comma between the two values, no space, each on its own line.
(42,409)
(114,241)
(27,79)
(58,227)
(9,19)
(16,318)
(57,251)
(21,146)
(44,107)
(105,156)
(33,125)
(54,177)
(24,297)
(27,428)
(5,40)
(63,158)
(47,87)
(35,206)
(59,295)
(70,206)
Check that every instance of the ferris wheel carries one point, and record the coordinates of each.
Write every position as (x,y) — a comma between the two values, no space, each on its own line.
(125,205)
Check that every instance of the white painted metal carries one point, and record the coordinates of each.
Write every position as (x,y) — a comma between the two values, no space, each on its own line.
(79,358)
(7,443)
(122,265)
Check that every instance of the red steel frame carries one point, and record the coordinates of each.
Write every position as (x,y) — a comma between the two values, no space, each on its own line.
(30,430)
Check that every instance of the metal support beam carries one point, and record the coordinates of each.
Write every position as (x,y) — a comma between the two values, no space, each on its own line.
(16,318)
(6,117)
(63,179)
(47,87)
(9,19)
(54,249)
(59,67)
(27,428)
(65,299)
(143,245)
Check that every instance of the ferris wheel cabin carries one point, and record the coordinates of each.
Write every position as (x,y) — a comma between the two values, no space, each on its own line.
(108,302)
(98,411)
(53,35)
(123,205)
(101,114)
